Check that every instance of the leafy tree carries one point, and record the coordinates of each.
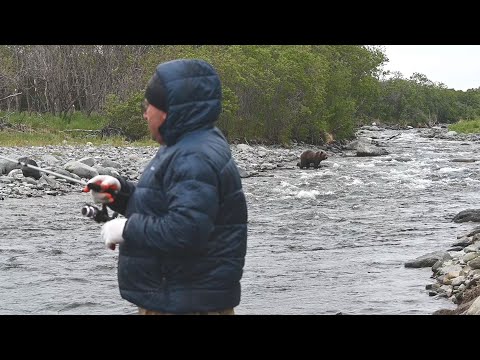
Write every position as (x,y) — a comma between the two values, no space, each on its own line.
(127,116)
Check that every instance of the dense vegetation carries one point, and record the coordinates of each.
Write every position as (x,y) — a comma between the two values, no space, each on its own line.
(272,94)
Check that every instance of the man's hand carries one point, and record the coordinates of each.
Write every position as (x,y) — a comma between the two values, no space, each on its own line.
(112,233)
(105,182)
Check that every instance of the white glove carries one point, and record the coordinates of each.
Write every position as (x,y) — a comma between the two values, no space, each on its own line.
(112,232)
(106,182)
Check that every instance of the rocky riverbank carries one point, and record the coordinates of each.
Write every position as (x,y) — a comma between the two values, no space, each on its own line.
(84,162)
(457,270)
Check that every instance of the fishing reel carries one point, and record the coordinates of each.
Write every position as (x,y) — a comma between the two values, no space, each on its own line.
(99,215)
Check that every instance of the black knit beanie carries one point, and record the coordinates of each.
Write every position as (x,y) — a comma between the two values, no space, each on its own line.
(156,94)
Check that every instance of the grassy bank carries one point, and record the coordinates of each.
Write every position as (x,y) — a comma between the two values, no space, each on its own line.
(23,129)
(44,129)
(466,127)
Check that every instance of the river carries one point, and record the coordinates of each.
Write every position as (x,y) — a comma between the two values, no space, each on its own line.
(326,241)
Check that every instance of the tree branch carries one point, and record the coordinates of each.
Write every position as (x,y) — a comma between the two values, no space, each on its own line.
(9,96)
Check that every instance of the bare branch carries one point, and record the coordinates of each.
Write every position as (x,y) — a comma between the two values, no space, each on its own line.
(9,96)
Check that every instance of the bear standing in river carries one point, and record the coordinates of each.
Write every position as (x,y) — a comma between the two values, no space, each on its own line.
(311,157)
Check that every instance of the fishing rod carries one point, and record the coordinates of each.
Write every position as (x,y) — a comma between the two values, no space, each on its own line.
(99,215)
(22,163)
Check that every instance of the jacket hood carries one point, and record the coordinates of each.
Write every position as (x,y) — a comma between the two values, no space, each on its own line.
(193,97)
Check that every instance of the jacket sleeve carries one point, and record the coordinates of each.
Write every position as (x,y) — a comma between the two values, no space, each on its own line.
(121,199)
(191,189)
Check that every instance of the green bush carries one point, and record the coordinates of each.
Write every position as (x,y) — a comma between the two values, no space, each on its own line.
(466,126)
(126,116)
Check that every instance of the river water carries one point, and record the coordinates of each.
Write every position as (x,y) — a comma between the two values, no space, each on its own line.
(326,241)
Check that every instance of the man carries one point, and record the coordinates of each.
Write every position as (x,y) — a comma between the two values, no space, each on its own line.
(183,240)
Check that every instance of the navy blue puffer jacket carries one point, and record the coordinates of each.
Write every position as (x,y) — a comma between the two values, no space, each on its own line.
(186,233)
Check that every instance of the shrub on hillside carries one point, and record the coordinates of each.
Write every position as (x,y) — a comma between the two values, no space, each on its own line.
(126,116)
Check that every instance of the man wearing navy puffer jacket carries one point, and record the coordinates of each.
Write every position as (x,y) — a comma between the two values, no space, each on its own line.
(183,240)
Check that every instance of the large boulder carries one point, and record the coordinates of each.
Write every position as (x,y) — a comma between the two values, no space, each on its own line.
(427,260)
(364,150)
(467,215)
(80,169)
(29,172)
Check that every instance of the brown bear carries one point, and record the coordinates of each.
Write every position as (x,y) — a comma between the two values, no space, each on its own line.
(311,157)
